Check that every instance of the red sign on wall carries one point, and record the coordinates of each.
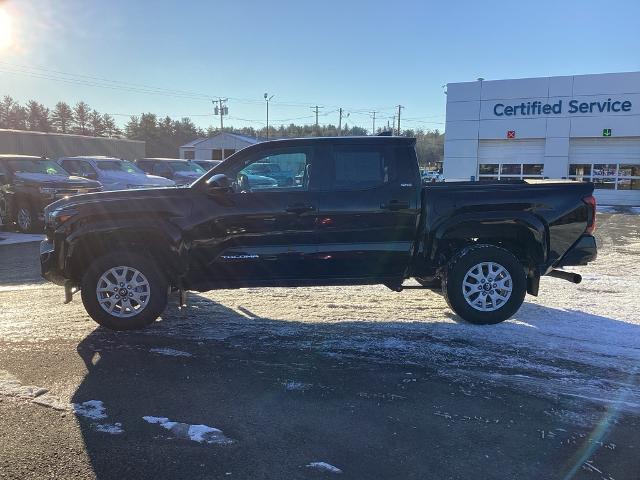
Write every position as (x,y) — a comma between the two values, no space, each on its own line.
(511,134)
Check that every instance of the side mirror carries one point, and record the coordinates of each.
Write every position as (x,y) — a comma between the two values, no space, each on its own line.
(219,183)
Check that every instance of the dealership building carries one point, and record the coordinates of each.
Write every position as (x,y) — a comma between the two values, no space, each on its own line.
(582,127)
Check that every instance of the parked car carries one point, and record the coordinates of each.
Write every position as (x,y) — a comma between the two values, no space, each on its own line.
(113,173)
(431,176)
(359,216)
(28,184)
(207,164)
(248,180)
(183,172)
(272,170)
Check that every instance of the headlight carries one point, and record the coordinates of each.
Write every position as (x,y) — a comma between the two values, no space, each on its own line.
(58,216)
(47,190)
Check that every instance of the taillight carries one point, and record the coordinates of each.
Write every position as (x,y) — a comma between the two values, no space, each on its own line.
(591,222)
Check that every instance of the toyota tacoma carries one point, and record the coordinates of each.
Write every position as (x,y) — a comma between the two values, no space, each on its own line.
(359,215)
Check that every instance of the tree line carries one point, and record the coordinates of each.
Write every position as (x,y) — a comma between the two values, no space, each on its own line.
(80,119)
(164,135)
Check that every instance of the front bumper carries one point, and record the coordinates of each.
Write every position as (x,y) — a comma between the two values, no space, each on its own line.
(49,265)
(585,250)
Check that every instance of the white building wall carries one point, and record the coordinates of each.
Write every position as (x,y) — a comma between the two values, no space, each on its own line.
(474,116)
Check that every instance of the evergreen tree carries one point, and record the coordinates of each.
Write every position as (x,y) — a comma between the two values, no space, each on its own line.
(62,117)
(81,114)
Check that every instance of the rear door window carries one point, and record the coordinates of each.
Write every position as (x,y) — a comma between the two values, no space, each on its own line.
(362,167)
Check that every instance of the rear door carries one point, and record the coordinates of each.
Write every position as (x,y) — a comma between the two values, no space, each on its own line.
(369,215)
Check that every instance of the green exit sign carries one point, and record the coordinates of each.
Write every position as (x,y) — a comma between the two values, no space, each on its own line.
(606,132)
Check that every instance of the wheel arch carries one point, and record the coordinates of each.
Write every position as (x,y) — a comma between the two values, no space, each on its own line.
(144,239)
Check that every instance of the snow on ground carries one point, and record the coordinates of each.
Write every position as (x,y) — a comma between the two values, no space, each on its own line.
(11,238)
(170,352)
(110,428)
(324,466)
(93,409)
(186,431)
(579,341)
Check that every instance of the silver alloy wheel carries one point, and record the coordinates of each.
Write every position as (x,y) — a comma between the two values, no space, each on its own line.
(487,286)
(24,219)
(123,291)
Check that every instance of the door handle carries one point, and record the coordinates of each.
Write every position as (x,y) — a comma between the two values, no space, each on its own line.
(300,208)
(395,205)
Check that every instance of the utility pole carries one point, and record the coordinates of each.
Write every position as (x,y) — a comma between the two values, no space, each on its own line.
(316,109)
(340,122)
(266,99)
(400,107)
(373,128)
(221,109)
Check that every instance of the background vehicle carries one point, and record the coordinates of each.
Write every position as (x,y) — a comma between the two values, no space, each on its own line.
(359,216)
(272,170)
(182,172)
(431,176)
(28,184)
(207,164)
(112,173)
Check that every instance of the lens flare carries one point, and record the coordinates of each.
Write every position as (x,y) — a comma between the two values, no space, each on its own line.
(6,29)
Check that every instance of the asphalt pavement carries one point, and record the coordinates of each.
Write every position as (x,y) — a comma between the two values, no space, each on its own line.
(305,383)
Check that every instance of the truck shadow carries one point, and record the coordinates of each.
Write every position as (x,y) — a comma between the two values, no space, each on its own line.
(285,391)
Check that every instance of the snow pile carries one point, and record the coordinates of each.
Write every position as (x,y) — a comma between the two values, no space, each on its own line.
(324,466)
(186,431)
(11,238)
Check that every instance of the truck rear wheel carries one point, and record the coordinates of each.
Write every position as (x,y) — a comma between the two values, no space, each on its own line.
(124,291)
(484,284)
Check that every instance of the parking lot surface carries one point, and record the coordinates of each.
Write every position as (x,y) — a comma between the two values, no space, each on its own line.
(355,382)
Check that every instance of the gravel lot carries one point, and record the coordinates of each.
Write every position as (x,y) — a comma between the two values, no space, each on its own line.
(301,383)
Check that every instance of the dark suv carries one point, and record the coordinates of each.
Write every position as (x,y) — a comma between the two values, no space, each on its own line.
(183,172)
(28,184)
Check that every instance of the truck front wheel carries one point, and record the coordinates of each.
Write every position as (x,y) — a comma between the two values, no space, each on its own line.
(484,284)
(124,291)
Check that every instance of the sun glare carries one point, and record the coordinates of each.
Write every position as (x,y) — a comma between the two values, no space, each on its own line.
(6,29)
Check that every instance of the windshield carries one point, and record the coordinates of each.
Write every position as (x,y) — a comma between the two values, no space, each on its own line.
(118,165)
(29,165)
(208,165)
(186,167)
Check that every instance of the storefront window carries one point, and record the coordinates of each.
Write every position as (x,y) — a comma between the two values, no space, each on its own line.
(604,183)
(488,169)
(607,176)
(511,169)
(532,168)
(629,184)
(604,169)
(580,169)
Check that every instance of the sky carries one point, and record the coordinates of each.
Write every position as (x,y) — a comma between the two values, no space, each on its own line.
(170,57)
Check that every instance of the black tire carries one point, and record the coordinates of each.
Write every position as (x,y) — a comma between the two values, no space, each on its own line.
(462,262)
(4,214)
(26,218)
(158,288)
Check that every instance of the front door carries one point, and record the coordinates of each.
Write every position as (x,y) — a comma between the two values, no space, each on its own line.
(264,231)
(368,217)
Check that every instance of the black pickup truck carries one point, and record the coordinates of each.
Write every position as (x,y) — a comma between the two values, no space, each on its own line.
(359,215)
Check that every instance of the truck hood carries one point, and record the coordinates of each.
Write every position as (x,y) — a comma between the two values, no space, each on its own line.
(125,178)
(55,181)
(137,203)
